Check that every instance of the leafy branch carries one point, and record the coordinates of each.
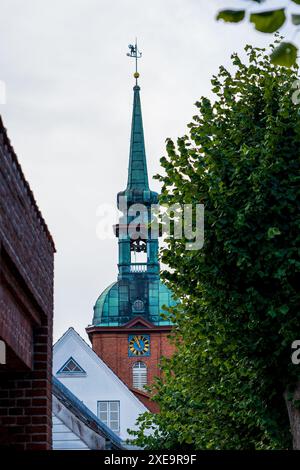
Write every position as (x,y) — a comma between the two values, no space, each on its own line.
(268,21)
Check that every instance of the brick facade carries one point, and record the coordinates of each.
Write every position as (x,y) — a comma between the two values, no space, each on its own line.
(26,310)
(111,344)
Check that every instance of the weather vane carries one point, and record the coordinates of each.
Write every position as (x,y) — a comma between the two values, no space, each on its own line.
(136,54)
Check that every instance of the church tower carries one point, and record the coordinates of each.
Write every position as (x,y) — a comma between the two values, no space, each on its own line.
(128,331)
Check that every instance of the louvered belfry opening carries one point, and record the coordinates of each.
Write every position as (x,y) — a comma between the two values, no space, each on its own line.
(139,375)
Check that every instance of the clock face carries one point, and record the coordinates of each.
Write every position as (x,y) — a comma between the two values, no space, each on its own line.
(138,345)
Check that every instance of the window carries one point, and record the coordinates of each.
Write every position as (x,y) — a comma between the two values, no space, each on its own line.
(71,367)
(109,414)
(139,375)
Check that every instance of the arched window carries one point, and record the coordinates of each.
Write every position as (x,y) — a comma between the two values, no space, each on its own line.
(139,375)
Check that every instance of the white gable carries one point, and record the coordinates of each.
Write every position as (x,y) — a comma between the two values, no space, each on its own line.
(99,384)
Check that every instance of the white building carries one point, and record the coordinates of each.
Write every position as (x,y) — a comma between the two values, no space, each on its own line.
(75,427)
(79,368)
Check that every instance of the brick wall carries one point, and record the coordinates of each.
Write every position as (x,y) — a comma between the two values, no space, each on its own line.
(26,310)
(112,347)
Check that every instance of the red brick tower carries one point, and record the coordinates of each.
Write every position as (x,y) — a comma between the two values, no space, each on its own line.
(112,344)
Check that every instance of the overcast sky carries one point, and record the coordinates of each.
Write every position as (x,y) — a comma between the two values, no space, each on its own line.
(68,111)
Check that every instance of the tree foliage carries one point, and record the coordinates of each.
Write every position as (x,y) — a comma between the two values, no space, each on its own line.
(269,21)
(240,301)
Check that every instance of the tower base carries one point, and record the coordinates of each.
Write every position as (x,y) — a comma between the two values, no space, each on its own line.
(114,346)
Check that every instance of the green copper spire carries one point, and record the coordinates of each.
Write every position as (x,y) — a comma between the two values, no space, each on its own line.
(138,291)
(137,170)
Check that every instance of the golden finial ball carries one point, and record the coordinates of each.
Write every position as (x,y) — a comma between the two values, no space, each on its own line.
(136,75)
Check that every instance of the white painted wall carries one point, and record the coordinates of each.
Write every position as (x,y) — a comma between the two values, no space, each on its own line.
(63,438)
(100,383)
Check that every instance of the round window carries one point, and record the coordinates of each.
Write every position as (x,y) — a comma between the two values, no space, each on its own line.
(138,305)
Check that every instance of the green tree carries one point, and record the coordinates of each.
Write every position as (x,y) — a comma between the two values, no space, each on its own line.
(231,380)
(269,21)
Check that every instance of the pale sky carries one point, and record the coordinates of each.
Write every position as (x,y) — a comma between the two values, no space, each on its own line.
(68,111)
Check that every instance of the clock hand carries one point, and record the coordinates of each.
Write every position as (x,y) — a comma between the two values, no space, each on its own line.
(138,342)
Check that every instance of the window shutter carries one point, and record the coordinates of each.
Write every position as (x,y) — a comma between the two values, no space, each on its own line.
(114,417)
(139,375)
(103,411)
